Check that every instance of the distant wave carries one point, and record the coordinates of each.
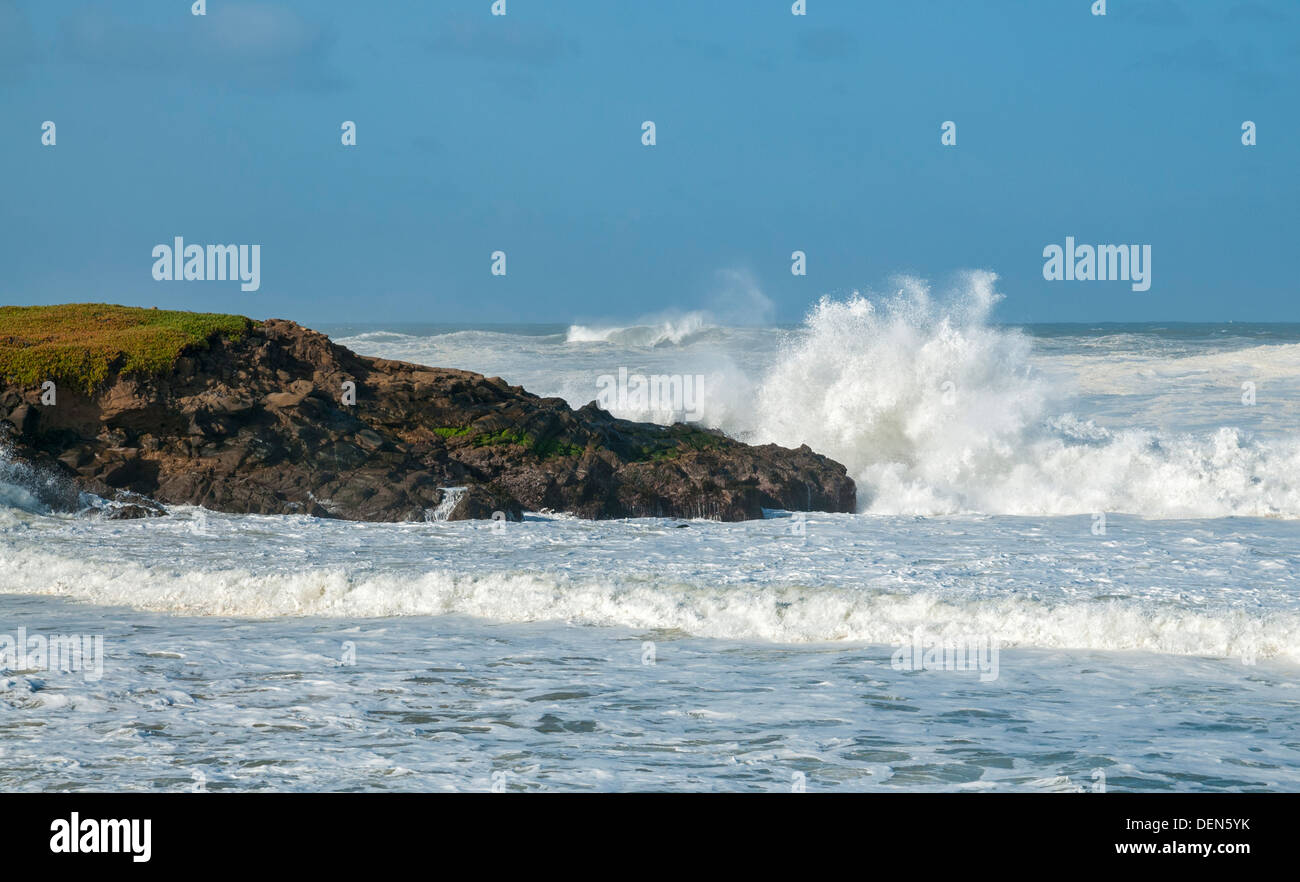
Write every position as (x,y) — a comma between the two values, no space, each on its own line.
(1267,364)
(675,331)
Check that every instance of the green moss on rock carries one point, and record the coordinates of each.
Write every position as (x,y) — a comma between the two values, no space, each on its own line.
(84,344)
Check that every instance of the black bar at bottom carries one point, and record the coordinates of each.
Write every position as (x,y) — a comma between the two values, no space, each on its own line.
(338,831)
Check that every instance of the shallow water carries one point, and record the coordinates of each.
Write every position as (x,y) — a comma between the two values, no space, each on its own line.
(449,702)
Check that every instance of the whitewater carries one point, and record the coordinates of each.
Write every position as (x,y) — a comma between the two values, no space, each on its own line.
(1118,506)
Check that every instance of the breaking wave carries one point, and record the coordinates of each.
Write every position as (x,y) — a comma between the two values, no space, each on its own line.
(773,612)
(935,411)
(672,331)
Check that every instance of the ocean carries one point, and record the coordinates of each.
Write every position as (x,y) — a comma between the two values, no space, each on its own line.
(1074,566)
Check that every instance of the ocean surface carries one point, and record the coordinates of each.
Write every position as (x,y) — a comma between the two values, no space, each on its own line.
(1106,517)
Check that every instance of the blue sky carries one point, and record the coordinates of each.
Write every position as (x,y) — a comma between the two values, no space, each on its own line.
(775,132)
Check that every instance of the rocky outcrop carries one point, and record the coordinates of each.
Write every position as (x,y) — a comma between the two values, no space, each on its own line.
(266,424)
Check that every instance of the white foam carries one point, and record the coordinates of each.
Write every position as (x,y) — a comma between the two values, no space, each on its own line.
(780,612)
(450,499)
(936,411)
(19,497)
(21,487)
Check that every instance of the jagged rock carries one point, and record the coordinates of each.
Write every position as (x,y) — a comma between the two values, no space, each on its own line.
(258,424)
(482,502)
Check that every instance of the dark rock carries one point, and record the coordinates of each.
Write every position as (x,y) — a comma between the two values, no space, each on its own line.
(24,418)
(258,425)
(484,502)
(134,510)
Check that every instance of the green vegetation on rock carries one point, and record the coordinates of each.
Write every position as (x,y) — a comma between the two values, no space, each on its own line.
(84,344)
(675,441)
(553,447)
(505,436)
(547,448)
